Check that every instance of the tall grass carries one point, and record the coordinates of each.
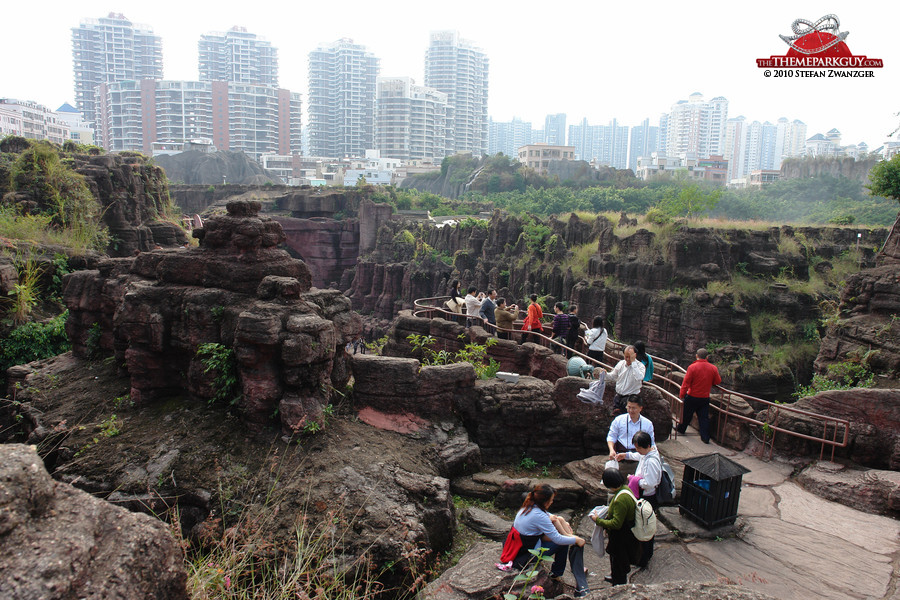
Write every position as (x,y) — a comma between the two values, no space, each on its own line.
(244,563)
(24,295)
(79,236)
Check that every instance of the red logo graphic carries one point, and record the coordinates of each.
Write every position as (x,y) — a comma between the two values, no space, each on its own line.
(817,45)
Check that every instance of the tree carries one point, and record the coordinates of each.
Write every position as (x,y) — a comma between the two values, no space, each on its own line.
(690,201)
(884,178)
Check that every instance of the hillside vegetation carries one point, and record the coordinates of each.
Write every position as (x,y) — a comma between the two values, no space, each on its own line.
(500,182)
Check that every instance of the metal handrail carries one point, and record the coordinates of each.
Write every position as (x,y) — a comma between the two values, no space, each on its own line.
(670,389)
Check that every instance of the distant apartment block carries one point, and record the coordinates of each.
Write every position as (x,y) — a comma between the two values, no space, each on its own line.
(410,120)
(111,49)
(644,141)
(760,146)
(555,129)
(508,136)
(252,119)
(538,156)
(342,84)
(238,56)
(695,126)
(600,144)
(34,121)
(460,70)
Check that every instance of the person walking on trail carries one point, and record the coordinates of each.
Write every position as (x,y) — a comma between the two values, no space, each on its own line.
(574,327)
(648,475)
(701,376)
(596,338)
(560,327)
(628,375)
(640,352)
(533,319)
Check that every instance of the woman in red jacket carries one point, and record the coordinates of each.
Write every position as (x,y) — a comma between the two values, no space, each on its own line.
(533,319)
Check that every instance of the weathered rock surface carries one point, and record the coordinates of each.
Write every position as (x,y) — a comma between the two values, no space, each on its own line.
(870,490)
(239,290)
(487,524)
(534,417)
(57,542)
(133,194)
(874,415)
(376,491)
(203,168)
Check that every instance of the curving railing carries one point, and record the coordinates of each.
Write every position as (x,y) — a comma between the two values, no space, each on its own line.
(835,431)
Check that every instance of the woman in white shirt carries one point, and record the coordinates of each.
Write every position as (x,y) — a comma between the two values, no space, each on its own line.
(596,339)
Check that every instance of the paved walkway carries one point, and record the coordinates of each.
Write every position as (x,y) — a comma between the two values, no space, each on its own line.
(787,543)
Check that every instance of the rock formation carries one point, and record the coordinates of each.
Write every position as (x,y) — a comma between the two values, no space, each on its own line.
(57,542)
(501,418)
(866,327)
(202,168)
(874,417)
(238,290)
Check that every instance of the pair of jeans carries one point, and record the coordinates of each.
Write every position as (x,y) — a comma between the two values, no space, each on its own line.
(701,407)
(575,555)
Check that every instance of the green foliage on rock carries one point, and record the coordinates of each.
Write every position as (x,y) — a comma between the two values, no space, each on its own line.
(34,341)
(221,361)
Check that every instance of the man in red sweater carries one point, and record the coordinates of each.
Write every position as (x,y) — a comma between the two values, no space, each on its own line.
(698,381)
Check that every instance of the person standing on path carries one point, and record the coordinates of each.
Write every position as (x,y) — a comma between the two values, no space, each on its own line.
(695,388)
(628,375)
(488,306)
(532,319)
(473,306)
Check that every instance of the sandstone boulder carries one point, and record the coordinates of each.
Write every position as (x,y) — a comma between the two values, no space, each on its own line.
(59,542)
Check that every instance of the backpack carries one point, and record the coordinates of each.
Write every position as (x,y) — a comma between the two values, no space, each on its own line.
(644,519)
(665,493)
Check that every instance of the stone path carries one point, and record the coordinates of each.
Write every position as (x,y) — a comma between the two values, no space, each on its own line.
(787,543)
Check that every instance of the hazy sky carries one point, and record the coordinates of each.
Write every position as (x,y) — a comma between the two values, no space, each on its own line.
(598,60)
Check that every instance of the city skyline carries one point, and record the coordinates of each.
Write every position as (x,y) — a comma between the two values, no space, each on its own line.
(606,63)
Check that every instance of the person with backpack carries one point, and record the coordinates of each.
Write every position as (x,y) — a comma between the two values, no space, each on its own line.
(648,476)
(538,529)
(623,548)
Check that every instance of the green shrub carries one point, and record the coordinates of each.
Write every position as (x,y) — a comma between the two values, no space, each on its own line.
(221,361)
(34,341)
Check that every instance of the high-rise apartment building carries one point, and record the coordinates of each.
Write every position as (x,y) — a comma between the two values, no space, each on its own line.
(237,56)
(644,142)
(342,82)
(759,146)
(253,119)
(111,49)
(555,129)
(410,120)
(601,144)
(507,137)
(695,126)
(460,70)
